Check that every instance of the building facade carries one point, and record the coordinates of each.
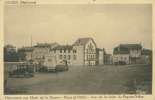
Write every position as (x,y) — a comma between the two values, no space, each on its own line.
(82,52)
(128,53)
(28,50)
(99,56)
(86,51)
(121,55)
(41,49)
(63,53)
(146,56)
(135,52)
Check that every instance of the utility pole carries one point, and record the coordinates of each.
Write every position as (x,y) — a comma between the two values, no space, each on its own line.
(31,51)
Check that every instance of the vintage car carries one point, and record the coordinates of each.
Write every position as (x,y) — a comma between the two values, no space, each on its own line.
(26,70)
(59,68)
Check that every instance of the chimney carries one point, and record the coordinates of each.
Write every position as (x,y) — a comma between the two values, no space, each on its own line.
(45,42)
(37,42)
(67,45)
(79,41)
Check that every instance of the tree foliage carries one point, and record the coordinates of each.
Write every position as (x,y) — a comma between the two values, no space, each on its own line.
(10,54)
(21,54)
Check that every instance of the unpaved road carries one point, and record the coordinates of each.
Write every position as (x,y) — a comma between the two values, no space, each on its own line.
(106,79)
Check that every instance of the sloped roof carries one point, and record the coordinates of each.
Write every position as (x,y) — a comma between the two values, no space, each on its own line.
(82,41)
(108,54)
(27,48)
(44,44)
(99,49)
(121,48)
(132,46)
(121,52)
(63,47)
(146,52)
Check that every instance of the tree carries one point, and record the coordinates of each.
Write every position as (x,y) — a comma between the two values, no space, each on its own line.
(10,54)
(21,54)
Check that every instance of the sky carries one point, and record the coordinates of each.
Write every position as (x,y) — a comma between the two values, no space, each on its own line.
(108,24)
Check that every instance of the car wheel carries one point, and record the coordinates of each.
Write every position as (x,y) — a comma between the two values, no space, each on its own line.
(32,75)
(25,74)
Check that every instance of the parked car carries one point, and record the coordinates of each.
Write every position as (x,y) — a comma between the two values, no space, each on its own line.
(59,68)
(23,69)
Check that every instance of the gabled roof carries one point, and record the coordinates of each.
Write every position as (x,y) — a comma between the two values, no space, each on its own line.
(121,52)
(27,48)
(146,52)
(99,49)
(44,44)
(82,41)
(121,48)
(63,47)
(132,46)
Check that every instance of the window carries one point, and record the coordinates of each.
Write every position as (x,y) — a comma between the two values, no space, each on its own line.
(43,50)
(87,57)
(47,50)
(55,51)
(64,56)
(27,55)
(60,61)
(36,50)
(74,57)
(64,51)
(69,57)
(74,51)
(121,58)
(125,58)
(60,56)
(60,51)
(43,57)
(39,51)
(116,58)
(87,50)
(68,51)
(49,60)
(91,56)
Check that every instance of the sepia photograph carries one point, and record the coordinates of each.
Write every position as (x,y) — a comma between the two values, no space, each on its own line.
(78,49)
